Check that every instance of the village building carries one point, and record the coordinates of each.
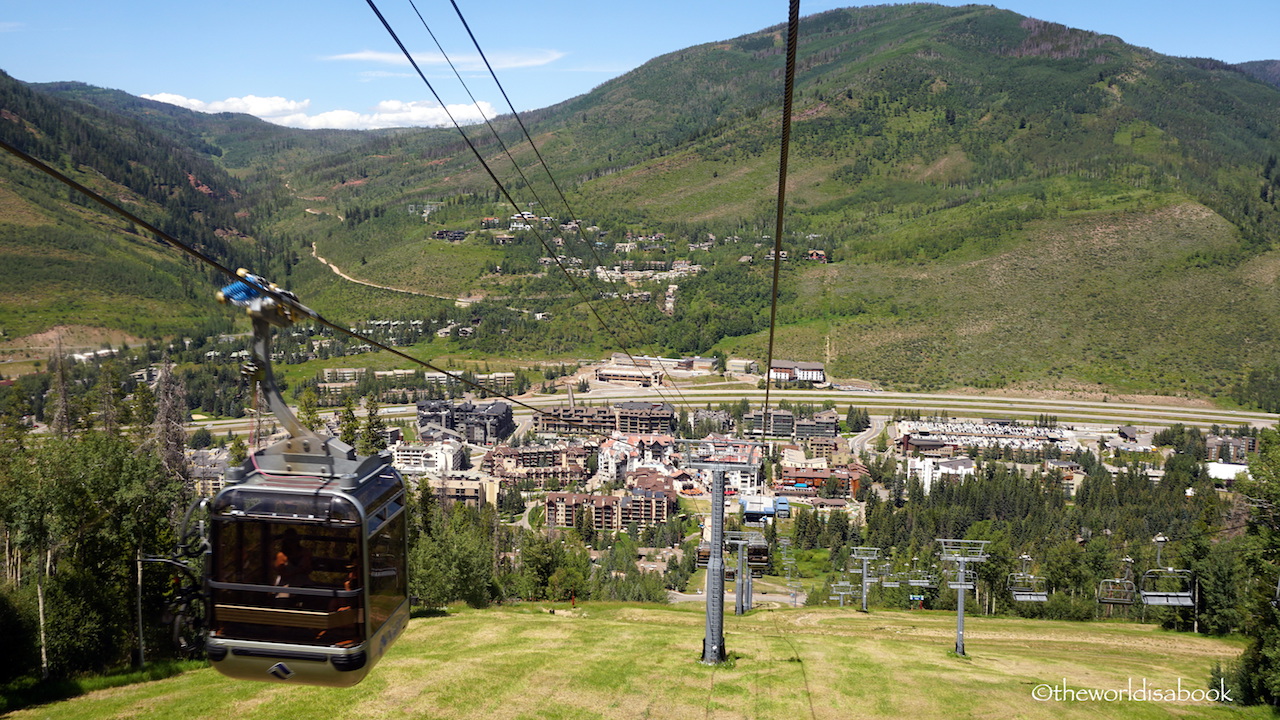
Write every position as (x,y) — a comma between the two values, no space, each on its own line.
(625,453)
(438,456)
(557,464)
(823,424)
(480,424)
(1233,450)
(640,377)
(466,488)
(641,418)
(1071,472)
(717,421)
(791,371)
(207,470)
(824,447)
(930,470)
(611,513)
(773,423)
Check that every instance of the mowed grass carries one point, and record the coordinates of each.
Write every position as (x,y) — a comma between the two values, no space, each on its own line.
(640,661)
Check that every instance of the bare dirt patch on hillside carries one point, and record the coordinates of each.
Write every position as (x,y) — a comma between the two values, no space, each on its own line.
(75,338)
(16,211)
(1263,270)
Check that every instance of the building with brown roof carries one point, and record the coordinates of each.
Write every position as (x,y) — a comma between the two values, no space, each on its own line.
(611,513)
(560,464)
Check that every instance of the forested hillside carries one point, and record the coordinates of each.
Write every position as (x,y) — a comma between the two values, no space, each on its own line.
(66,261)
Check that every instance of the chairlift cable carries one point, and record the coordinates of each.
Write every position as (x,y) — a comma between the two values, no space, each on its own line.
(502,188)
(793,34)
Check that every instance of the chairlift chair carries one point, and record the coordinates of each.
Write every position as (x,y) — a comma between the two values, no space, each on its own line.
(1025,586)
(704,554)
(1167,586)
(921,578)
(757,556)
(956,581)
(1119,591)
(888,578)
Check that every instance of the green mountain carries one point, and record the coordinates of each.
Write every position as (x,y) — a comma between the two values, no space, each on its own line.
(1267,71)
(1007,202)
(67,262)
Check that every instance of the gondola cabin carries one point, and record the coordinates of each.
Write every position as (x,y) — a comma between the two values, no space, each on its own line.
(307,575)
(704,554)
(307,570)
(758,557)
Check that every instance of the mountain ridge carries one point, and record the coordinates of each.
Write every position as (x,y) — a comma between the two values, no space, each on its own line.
(928,142)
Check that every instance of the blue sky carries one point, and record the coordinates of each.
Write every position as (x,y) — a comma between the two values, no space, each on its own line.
(323,63)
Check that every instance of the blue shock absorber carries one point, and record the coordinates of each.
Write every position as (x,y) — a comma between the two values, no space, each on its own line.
(238,293)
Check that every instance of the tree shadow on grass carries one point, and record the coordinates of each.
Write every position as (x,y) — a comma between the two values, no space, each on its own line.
(30,691)
(423,612)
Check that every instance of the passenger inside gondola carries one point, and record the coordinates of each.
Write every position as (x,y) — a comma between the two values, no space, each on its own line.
(293,564)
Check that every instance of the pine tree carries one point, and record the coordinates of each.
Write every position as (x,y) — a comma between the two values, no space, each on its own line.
(238,451)
(348,423)
(374,435)
(105,400)
(308,410)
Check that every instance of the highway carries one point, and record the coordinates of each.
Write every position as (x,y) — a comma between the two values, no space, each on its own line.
(1096,415)
(1069,412)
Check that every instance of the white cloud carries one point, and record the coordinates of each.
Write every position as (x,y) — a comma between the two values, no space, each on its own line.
(293,113)
(11,26)
(502,60)
(263,107)
(391,113)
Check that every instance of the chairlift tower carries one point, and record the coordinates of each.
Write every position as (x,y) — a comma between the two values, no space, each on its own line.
(789,567)
(743,540)
(962,552)
(713,651)
(866,555)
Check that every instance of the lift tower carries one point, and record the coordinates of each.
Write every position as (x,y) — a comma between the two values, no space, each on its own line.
(719,456)
(866,555)
(962,552)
